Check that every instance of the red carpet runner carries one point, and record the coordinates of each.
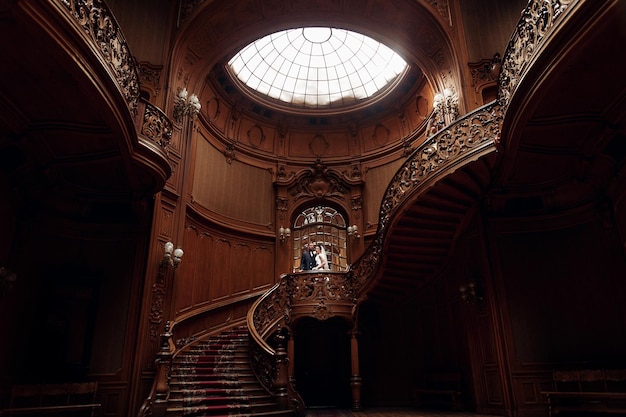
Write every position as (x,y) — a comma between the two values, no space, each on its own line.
(214,378)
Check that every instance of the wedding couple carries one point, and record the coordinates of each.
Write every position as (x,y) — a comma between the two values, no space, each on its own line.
(314,258)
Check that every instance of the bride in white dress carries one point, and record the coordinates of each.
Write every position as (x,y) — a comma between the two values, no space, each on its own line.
(322,259)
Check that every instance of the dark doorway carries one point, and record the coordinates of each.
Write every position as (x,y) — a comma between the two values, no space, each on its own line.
(322,362)
(64,331)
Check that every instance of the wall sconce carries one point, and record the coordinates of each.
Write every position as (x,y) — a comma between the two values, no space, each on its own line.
(186,105)
(471,293)
(446,110)
(353,232)
(172,257)
(284,233)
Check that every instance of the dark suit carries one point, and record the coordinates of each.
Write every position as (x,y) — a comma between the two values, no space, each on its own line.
(307,262)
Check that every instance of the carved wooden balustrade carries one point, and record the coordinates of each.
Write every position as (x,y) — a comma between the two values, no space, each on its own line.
(153,124)
(314,294)
(468,138)
(330,294)
(464,141)
(98,24)
(538,20)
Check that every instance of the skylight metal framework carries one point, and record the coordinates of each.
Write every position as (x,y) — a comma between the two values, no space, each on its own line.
(317,67)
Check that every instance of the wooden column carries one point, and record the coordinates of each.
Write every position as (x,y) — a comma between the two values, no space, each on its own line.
(355,379)
(291,355)
(282,364)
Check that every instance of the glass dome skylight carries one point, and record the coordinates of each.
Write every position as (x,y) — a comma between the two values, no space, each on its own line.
(317,67)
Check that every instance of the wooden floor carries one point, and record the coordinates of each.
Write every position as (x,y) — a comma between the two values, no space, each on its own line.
(387,412)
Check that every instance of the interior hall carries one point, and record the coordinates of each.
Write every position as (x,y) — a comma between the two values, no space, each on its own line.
(323,208)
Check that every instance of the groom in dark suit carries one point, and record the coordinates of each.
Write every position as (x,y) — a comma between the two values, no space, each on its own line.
(308,259)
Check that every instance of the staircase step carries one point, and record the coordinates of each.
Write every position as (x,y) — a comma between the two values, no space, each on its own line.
(201,384)
(230,410)
(221,399)
(208,370)
(214,378)
(209,358)
(211,374)
(252,392)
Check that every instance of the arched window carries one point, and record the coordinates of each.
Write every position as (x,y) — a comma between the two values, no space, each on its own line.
(322,225)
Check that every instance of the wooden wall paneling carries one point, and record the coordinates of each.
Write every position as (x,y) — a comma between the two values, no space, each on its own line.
(173,182)
(546,299)
(381,135)
(376,182)
(527,387)
(202,278)
(262,269)
(240,268)
(233,189)
(166,225)
(113,399)
(183,275)
(559,297)
(324,144)
(220,271)
(254,135)
(493,388)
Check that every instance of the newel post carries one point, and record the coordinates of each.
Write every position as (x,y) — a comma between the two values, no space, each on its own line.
(163,366)
(355,379)
(282,369)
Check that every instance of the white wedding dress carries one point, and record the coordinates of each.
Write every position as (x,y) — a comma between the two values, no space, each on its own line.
(322,261)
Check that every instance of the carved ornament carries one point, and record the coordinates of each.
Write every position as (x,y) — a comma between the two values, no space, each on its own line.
(485,71)
(447,147)
(320,182)
(156,126)
(537,20)
(150,77)
(99,23)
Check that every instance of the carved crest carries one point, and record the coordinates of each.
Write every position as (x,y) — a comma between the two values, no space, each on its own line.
(320,182)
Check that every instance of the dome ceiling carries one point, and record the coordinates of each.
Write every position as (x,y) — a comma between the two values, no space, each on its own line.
(214,32)
(317,68)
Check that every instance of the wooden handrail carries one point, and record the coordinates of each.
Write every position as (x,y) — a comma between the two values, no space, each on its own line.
(465,140)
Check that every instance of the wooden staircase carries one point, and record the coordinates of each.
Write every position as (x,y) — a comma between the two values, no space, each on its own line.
(214,378)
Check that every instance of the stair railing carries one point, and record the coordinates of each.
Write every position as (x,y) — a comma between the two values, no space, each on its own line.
(270,364)
(155,405)
(313,294)
(465,140)
(469,137)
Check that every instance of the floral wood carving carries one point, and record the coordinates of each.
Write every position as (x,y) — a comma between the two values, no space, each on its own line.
(99,23)
(150,77)
(536,22)
(485,71)
(319,182)
(156,126)
(459,140)
(156,307)
(318,287)
(443,9)
(229,153)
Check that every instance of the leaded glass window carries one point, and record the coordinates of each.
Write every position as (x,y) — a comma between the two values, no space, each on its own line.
(322,225)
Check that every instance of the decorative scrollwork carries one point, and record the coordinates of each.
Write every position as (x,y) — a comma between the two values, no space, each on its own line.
(262,365)
(156,126)
(98,22)
(320,287)
(272,308)
(537,20)
(446,148)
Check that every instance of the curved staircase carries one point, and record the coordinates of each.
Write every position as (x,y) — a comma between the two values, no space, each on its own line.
(213,378)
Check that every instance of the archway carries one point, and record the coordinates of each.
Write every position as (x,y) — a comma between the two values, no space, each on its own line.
(324,225)
(322,362)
